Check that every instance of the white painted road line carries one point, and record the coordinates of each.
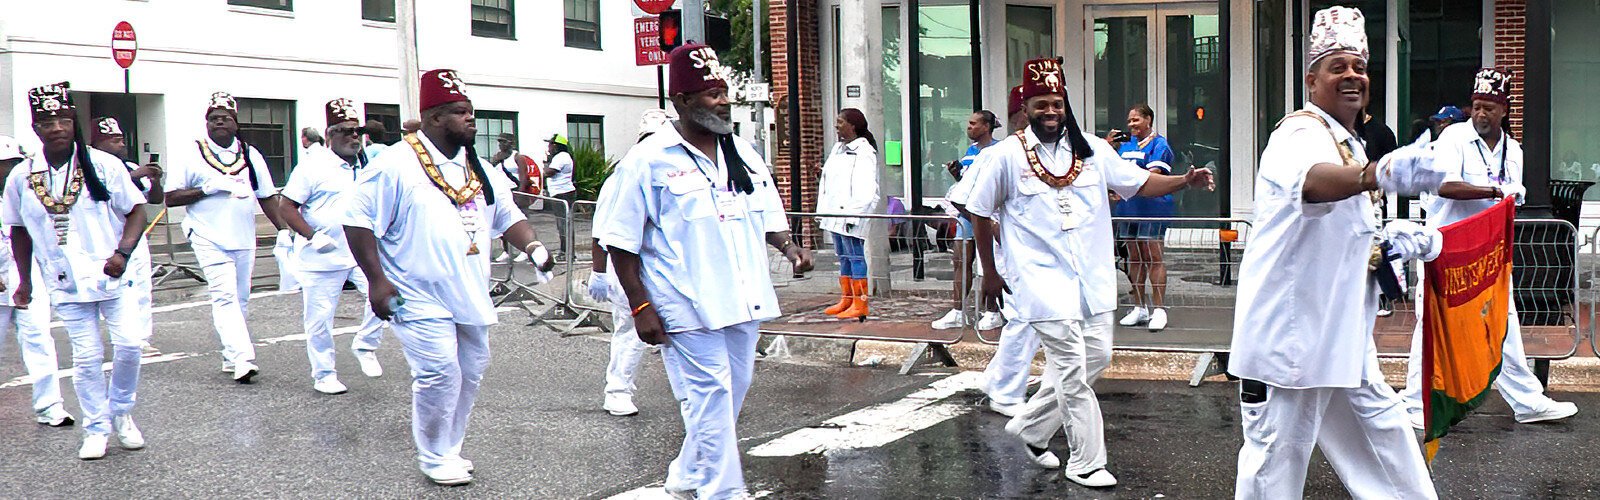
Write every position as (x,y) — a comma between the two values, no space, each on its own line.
(656,492)
(877,425)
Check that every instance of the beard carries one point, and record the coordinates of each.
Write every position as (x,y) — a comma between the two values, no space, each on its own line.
(1046,133)
(707,119)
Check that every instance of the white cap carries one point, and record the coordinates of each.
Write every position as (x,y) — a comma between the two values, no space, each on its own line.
(652,120)
(10,149)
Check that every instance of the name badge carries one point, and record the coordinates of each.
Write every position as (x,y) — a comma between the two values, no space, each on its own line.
(729,206)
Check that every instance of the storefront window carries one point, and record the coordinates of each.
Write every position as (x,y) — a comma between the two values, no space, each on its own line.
(1121,69)
(1029,35)
(1271,39)
(1446,52)
(945,89)
(1196,120)
(893,138)
(1575,66)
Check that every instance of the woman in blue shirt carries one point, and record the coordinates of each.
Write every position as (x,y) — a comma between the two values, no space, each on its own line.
(1149,150)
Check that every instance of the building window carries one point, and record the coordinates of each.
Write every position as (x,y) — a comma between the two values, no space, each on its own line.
(268,124)
(378,10)
(389,116)
(490,125)
(1030,34)
(583,24)
(493,18)
(587,129)
(265,4)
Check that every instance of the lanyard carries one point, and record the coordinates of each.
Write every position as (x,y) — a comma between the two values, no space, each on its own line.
(702,170)
(66,172)
(1504,150)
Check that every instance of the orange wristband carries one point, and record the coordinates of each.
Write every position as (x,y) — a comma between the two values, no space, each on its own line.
(641,307)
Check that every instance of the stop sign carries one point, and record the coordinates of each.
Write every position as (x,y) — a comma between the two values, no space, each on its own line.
(653,7)
(124,44)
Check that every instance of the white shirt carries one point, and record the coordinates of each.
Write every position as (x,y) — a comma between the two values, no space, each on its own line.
(423,241)
(319,184)
(1063,265)
(1466,157)
(704,262)
(225,221)
(510,168)
(561,183)
(139,263)
(1306,303)
(849,185)
(74,272)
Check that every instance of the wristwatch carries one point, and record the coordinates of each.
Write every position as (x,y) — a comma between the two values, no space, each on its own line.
(126,254)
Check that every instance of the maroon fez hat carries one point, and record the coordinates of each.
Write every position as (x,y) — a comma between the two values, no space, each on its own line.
(693,68)
(441,86)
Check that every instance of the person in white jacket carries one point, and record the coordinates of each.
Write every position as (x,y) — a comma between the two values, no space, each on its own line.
(850,186)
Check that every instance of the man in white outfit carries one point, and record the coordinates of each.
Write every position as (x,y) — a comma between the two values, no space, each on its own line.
(1047,186)
(31,324)
(420,224)
(313,207)
(75,213)
(106,135)
(687,227)
(1483,164)
(1303,329)
(221,180)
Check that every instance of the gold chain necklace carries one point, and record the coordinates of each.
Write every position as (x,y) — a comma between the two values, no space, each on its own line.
(1052,180)
(211,159)
(57,206)
(459,196)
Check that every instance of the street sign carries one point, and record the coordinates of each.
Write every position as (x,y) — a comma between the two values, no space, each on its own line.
(124,44)
(653,7)
(647,42)
(757,92)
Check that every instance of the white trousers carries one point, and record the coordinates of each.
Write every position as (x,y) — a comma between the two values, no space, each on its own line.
(83,320)
(710,372)
(447,363)
(626,352)
(319,293)
(135,299)
(1077,353)
(228,280)
(38,350)
(1006,377)
(1363,432)
(1517,383)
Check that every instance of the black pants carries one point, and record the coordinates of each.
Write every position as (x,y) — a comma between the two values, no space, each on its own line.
(563,215)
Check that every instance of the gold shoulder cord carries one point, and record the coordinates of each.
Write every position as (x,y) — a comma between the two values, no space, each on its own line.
(1348,157)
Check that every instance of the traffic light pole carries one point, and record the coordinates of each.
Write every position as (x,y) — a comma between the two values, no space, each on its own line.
(694,21)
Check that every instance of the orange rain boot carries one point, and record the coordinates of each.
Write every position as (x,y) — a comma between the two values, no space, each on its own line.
(846,297)
(858,307)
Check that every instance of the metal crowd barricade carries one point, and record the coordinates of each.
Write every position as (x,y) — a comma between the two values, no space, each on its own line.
(512,282)
(902,307)
(168,246)
(588,312)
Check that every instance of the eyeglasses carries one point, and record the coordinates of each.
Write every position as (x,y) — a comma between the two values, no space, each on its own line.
(347,131)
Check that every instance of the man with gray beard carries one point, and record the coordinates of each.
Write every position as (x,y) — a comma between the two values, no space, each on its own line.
(690,211)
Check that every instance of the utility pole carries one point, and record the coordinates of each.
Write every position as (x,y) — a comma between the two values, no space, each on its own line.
(760,117)
(405,20)
(861,72)
(694,21)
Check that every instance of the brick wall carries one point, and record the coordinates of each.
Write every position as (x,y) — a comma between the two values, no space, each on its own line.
(1509,27)
(809,85)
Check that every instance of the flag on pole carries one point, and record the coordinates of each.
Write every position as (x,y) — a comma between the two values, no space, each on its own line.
(1466,303)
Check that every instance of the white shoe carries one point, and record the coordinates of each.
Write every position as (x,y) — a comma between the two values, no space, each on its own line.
(369,363)
(1100,478)
(951,320)
(680,494)
(329,385)
(504,257)
(990,321)
(464,463)
(448,474)
(94,447)
(1556,410)
(1384,313)
(1135,316)
(620,405)
(1158,319)
(148,350)
(55,416)
(127,433)
(1416,420)
(227,367)
(521,257)
(243,371)
(1047,459)
(1009,410)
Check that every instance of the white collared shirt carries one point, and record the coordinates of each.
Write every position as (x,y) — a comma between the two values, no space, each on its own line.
(74,272)
(561,182)
(703,262)
(319,184)
(423,243)
(1466,157)
(1306,304)
(1062,264)
(225,221)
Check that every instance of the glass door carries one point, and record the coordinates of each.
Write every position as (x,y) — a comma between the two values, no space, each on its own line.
(1182,81)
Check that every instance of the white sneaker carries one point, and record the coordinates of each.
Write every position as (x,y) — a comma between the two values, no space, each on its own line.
(1100,478)
(1158,319)
(1047,459)
(369,363)
(521,257)
(1009,410)
(94,447)
(448,474)
(464,463)
(504,257)
(329,385)
(1135,316)
(244,371)
(55,416)
(227,367)
(951,320)
(127,433)
(620,405)
(1556,410)
(990,321)
(1384,313)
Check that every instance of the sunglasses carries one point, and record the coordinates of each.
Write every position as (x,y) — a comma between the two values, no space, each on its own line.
(346,131)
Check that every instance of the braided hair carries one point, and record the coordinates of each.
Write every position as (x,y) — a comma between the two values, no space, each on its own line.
(738,171)
(477,169)
(97,187)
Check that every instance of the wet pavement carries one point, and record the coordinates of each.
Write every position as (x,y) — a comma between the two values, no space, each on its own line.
(538,431)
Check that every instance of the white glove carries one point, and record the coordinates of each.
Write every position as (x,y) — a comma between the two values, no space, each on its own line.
(1409,240)
(1409,171)
(539,257)
(1514,191)
(285,239)
(323,243)
(599,287)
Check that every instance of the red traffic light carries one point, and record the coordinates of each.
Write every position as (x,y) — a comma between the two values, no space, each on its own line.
(671,29)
